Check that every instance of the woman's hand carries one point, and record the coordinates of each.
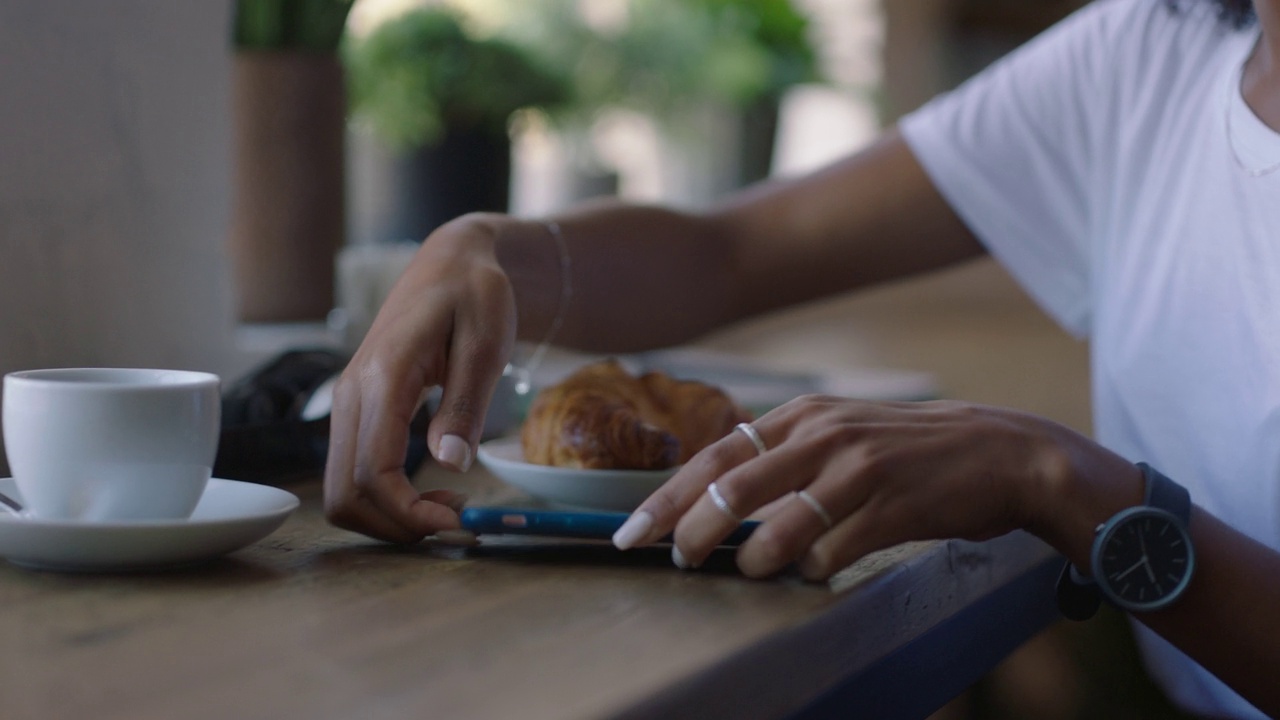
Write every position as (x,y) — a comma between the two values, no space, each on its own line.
(450,321)
(883,473)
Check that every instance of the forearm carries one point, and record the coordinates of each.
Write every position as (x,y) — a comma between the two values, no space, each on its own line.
(1226,619)
(871,218)
(639,277)
(645,277)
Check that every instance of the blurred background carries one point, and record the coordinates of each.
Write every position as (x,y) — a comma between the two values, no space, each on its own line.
(205,185)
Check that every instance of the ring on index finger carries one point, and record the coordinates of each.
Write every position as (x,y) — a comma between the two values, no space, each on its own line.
(753,435)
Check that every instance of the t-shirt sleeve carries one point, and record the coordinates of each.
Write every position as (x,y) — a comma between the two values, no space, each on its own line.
(1015,153)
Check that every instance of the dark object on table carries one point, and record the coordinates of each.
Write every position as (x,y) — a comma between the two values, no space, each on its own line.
(275,420)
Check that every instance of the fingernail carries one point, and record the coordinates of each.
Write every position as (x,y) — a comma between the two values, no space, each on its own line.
(457,537)
(633,531)
(677,557)
(454,451)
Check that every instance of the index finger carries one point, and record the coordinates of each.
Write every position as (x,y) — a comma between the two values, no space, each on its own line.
(478,350)
(659,514)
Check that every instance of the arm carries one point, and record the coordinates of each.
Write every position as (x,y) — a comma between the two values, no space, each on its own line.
(642,277)
(1226,620)
(671,276)
(888,473)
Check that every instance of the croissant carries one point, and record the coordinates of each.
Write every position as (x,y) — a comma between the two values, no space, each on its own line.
(603,417)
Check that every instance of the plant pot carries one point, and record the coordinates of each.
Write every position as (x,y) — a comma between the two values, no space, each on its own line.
(759,130)
(406,195)
(288,214)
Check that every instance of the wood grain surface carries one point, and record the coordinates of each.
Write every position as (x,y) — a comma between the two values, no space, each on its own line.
(315,622)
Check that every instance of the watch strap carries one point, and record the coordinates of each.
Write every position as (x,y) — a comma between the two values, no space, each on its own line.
(1078,596)
(1166,494)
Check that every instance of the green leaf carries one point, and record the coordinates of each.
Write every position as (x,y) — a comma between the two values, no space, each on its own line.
(310,25)
(420,74)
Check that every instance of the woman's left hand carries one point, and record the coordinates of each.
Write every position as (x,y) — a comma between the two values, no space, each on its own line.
(880,473)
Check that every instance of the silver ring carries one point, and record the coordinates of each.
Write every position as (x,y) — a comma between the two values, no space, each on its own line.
(721,503)
(817,508)
(753,435)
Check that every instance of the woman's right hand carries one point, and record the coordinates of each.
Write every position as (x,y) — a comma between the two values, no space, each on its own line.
(450,320)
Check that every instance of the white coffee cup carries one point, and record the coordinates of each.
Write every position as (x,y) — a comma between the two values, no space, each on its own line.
(111,444)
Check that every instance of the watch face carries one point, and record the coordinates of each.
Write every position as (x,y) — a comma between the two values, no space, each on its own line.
(1143,559)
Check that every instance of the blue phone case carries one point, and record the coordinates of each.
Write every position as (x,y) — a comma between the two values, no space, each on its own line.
(564,524)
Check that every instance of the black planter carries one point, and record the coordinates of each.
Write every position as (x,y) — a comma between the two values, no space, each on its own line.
(419,190)
(759,132)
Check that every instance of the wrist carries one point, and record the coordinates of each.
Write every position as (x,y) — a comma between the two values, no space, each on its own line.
(1080,486)
(532,260)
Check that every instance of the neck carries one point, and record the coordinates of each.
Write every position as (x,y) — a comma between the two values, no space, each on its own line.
(1261,81)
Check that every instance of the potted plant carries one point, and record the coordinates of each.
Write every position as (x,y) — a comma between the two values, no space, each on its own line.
(289,117)
(777,35)
(438,99)
(673,59)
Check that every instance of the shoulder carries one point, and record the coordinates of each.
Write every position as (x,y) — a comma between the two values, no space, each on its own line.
(1124,34)
(1119,57)
(1140,20)
(1155,39)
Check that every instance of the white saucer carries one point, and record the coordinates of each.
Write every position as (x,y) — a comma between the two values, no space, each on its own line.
(618,490)
(231,514)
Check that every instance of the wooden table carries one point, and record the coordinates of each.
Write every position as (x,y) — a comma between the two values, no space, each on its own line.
(314,622)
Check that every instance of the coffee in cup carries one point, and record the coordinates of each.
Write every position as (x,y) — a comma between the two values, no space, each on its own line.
(111,444)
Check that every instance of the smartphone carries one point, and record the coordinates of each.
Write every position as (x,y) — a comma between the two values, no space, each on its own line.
(564,524)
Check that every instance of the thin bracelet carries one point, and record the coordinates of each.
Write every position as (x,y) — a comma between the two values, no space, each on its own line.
(524,374)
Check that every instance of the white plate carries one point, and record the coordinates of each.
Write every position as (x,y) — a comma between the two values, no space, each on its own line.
(230,515)
(618,490)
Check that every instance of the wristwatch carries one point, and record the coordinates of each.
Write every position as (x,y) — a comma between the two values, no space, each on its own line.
(1142,558)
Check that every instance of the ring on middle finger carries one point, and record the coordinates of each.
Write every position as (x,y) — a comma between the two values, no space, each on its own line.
(817,507)
(753,435)
(721,504)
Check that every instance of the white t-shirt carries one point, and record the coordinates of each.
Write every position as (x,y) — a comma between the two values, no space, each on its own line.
(1114,168)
